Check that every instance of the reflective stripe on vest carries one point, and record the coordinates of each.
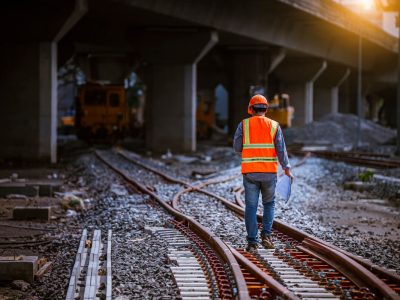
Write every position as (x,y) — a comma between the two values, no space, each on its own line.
(258,159)
(259,154)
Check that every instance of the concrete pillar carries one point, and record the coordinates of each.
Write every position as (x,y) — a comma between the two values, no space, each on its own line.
(28,81)
(171,78)
(248,68)
(29,101)
(309,102)
(48,101)
(335,99)
(335,92)
(309,94)
(171,110)
(347,96)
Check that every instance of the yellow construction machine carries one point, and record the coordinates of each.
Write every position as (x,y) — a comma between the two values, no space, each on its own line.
(205,117)
(280,110)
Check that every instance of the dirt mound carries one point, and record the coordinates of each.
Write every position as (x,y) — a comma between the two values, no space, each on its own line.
(338,129)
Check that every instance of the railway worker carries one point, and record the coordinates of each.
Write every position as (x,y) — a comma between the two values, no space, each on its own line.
(261,144)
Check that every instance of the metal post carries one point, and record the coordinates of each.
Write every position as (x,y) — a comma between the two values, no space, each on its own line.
(359,92)
(398,90)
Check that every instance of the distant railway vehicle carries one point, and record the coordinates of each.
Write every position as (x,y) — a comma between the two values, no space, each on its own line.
(102,112)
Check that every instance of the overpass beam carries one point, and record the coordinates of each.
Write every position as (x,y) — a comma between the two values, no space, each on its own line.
(112,68)
(172,76)
(80,9)
(277,59)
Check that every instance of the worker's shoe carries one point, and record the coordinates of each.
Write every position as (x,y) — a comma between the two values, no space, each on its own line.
(266,241)
(252,247)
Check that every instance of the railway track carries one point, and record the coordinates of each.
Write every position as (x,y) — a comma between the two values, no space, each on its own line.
(301,267)
(360,158)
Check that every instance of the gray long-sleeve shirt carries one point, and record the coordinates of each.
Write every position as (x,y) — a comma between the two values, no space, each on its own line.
(280,148)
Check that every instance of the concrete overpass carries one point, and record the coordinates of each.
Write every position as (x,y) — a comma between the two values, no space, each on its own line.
(305,48)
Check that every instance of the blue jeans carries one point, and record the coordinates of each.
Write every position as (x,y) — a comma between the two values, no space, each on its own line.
(252,190)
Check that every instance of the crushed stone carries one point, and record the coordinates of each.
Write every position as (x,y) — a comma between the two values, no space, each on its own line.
(339,129)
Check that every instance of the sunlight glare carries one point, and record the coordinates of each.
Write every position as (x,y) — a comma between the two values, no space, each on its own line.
(367,4)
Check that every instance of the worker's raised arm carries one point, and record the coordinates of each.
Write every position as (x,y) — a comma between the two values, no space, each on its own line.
(238,139)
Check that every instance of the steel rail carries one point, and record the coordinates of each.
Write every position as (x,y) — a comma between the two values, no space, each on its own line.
(276,287)
(27,227)
(355,158)
(214,241)
(352,266)
(278,225)
(123,154)
(369,278)
(27,244)
(300,235)
(290,231)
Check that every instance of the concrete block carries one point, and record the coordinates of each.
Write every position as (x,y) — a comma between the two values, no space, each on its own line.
(46,189)
(19,189)
(32,188)
(23,269)
(29,213)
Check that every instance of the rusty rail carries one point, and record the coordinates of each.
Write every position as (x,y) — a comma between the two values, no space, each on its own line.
(367,159)
(351,266)
(382,288)
(300,236)
(214,241)
(277,288)
(296,234)
(278,225)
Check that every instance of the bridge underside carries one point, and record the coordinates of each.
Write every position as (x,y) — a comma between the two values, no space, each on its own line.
(180,48)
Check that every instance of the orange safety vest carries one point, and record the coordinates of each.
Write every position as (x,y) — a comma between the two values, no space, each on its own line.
(259,154)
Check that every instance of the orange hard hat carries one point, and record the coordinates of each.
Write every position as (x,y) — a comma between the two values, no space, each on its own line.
(257,99)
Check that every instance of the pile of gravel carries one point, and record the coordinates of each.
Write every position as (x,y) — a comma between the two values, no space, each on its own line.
(339,129)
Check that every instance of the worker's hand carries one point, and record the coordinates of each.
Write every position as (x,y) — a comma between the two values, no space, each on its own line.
(288,173)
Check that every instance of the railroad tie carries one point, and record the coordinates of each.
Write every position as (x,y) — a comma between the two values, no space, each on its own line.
(299,284)
(189,275)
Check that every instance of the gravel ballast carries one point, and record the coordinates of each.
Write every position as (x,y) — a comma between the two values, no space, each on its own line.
(364,223)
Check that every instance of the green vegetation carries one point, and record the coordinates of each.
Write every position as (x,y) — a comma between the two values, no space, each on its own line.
(366,176)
